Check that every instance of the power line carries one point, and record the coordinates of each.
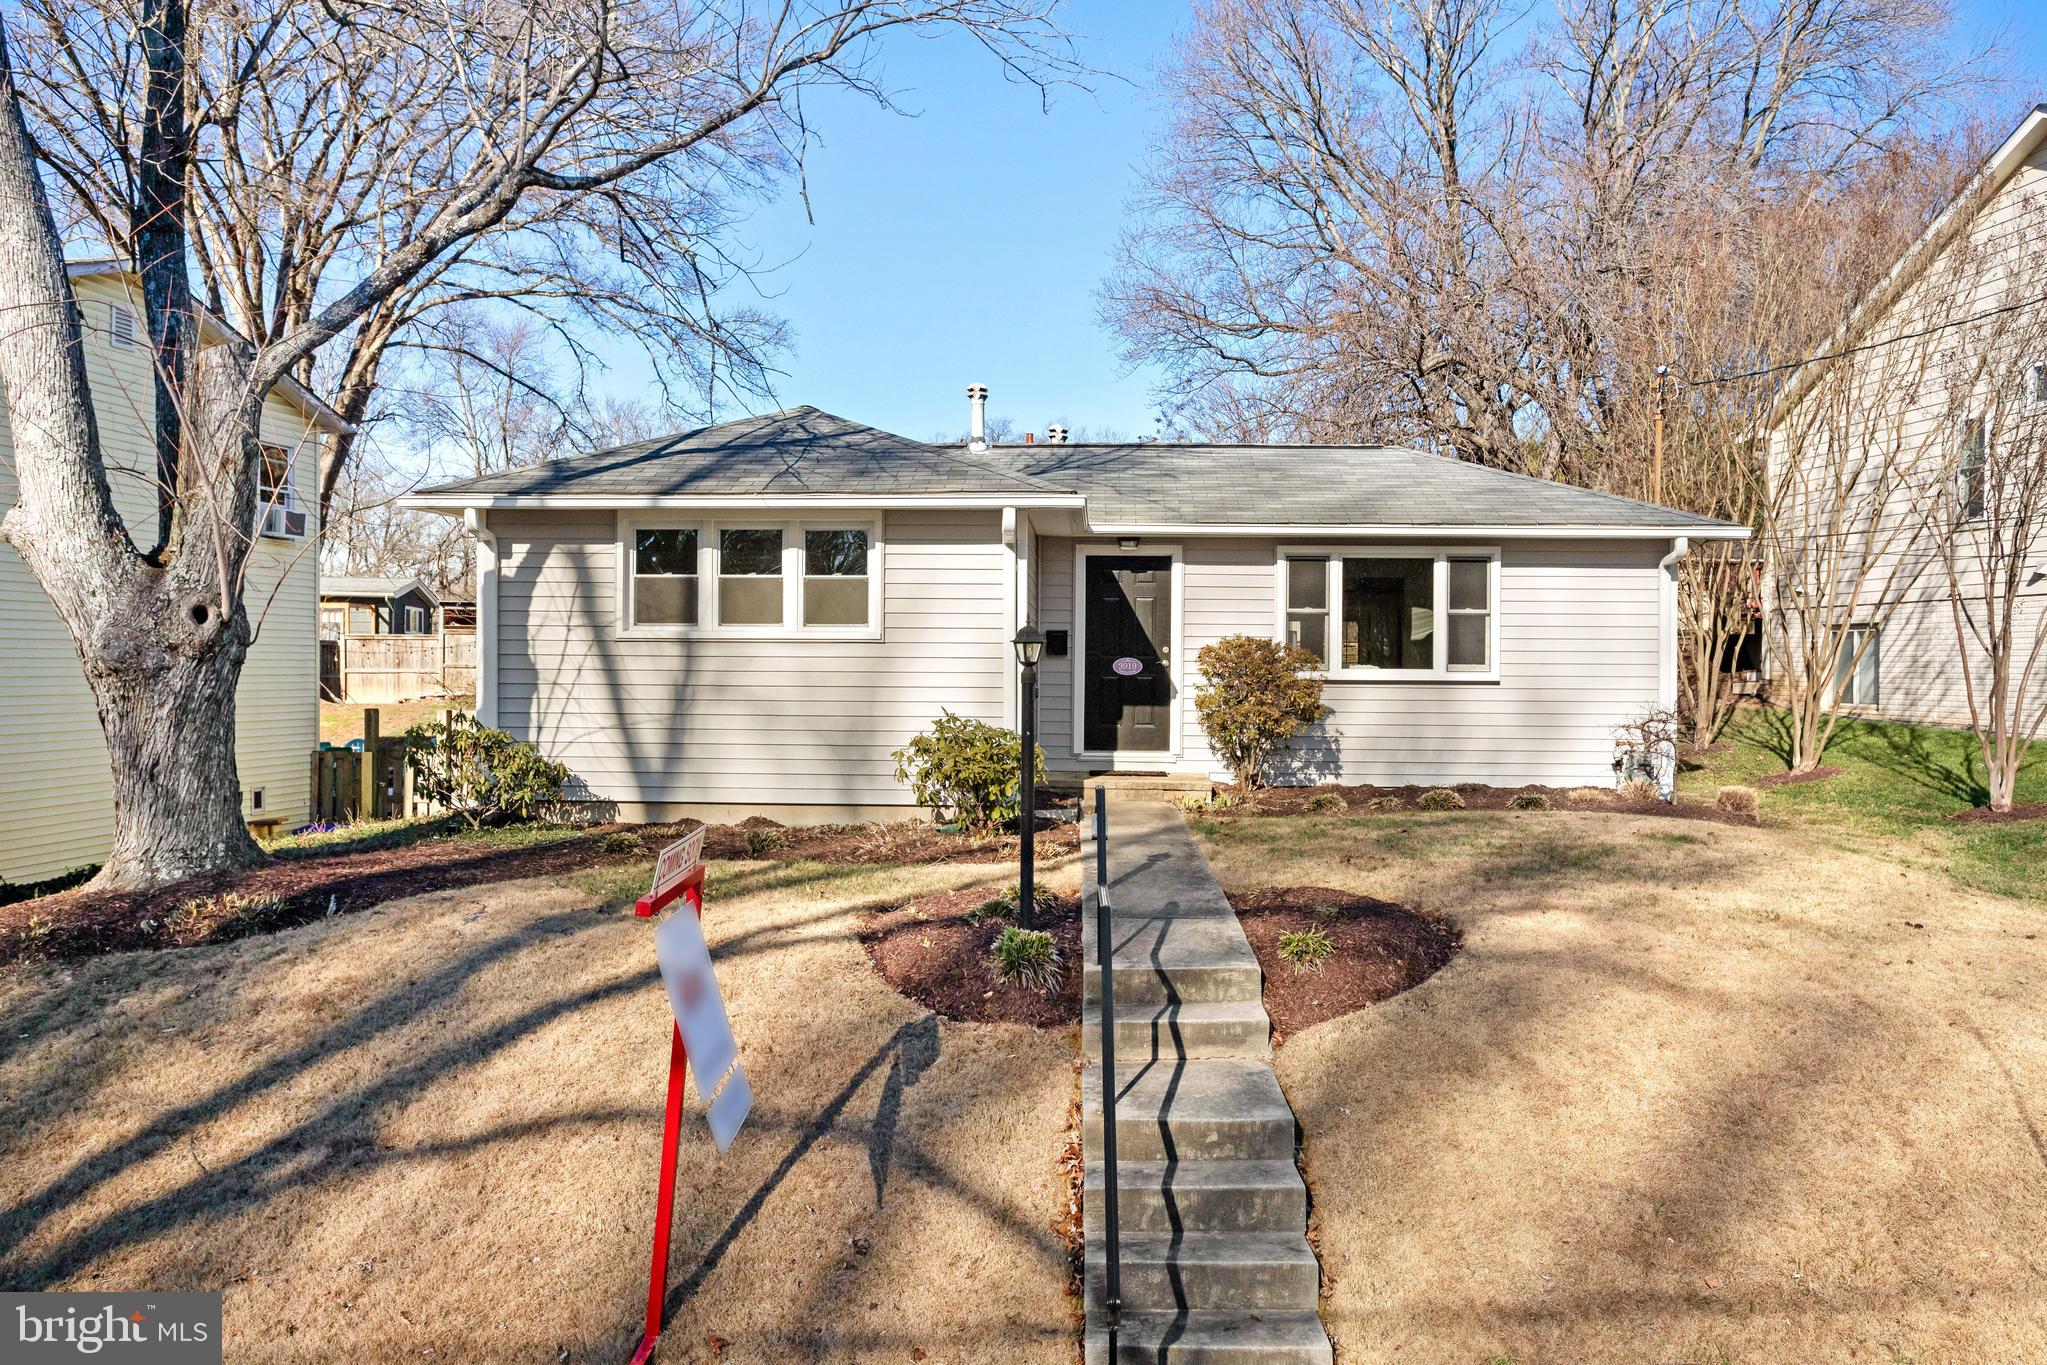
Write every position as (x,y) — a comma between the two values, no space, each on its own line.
(1867,345)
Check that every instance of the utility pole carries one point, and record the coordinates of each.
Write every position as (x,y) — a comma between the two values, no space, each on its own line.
(1656,461)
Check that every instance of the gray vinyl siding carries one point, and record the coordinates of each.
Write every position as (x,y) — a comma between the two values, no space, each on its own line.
(1578,655)
(784,721)
(1904,423)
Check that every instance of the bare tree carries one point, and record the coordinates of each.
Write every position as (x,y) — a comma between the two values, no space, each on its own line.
(316,149)
(479,394)
(1399,220)
(563,107)
(1993,491)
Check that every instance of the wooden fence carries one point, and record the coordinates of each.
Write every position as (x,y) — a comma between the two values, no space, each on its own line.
(393,668)
(373,784)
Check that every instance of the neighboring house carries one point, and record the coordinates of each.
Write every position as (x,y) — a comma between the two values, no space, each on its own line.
(56,811)
(1916,418)
(353,605)
(752,616)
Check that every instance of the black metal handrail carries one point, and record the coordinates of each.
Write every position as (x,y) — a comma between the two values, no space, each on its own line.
(1112,1263)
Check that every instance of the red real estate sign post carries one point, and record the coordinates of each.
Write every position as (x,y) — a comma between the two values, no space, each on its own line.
(679,874)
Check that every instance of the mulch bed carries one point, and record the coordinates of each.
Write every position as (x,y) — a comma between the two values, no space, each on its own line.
(900,842)
(301,886)
(1795,779)
(1334,799)
(1382,949)
(930,950)
(1983,815)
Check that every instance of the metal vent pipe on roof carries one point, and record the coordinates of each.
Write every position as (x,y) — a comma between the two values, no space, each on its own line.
(977,426)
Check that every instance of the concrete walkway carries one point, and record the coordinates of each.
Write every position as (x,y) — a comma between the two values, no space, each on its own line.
(1216,1263)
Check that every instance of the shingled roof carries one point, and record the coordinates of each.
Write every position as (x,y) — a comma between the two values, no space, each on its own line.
(1321,485)
(803,452)
(790,453)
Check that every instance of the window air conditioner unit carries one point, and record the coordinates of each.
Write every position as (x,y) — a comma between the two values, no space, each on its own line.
(284,523)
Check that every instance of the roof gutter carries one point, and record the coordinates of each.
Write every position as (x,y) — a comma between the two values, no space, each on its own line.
(458,503)
(1558,531)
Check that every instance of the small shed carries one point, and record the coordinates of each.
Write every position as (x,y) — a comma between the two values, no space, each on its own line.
(364,605)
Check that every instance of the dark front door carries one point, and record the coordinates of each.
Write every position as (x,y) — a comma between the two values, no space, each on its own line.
(1129,689)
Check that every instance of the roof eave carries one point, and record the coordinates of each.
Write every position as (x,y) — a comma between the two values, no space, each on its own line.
(1545,531)
(454,503)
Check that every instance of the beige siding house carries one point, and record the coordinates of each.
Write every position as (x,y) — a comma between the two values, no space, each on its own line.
(56,811)
(751,617)
(1879,455)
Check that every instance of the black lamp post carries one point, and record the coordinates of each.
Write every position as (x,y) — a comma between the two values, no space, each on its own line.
(1030,644)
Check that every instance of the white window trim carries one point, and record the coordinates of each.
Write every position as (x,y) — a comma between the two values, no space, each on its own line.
(1077,652)
(1440,641)
(420,614)
(286,500)
(708,626)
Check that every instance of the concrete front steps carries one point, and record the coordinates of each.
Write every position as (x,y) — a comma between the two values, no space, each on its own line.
(1216,1267)
(1130,787)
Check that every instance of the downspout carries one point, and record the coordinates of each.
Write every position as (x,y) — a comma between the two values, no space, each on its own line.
(1012,592)
(1666,656)
(486,615)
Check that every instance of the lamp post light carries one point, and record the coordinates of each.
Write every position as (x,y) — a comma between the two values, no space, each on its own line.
(1030,645)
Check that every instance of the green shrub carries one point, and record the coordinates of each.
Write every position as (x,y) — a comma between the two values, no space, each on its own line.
(1442,798)
(1254,699)
(762,840)
(1306,949)
(480,773)
(1321,801)
(1528,801)
(966,771)
(1026,957)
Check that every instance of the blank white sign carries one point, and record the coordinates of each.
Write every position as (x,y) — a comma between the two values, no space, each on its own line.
(685,962)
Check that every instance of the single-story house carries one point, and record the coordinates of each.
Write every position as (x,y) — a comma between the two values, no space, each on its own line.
(56,793)
(750,617)
(367,605)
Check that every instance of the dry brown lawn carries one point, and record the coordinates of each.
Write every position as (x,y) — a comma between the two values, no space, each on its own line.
(431,1132)
(1689,1094)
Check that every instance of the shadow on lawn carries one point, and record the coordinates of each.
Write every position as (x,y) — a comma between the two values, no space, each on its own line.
(1905,750)
(1729,1007)
(338,1139)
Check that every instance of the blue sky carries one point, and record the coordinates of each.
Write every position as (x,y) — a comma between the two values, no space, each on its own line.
(966,242)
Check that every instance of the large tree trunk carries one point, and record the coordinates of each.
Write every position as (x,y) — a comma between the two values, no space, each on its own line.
(162,644)
(167,705)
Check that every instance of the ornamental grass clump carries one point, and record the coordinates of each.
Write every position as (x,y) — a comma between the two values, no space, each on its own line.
(1255,697)
(1442,798)
(1739,800)
(1306,949)
(1528,801)
(1025,957)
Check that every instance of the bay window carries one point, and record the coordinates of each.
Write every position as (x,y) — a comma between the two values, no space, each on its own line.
(1392,613)
(748,576)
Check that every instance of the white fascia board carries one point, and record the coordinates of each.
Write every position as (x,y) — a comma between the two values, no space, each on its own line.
(455,503)
(1560,531)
